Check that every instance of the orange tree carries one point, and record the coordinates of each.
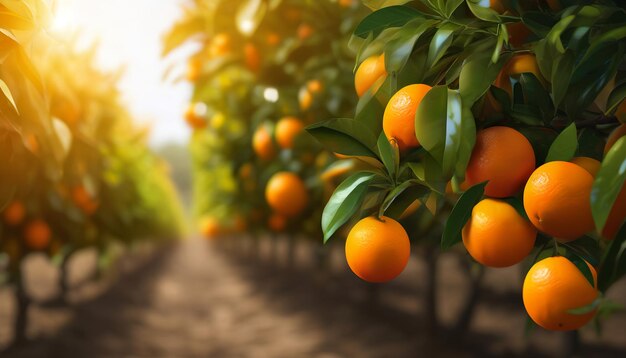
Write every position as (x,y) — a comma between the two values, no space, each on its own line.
(73,165)
(510,107)
(258,80)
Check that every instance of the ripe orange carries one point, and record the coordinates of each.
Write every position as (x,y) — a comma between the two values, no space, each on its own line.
(497,6)
(220,45)
(37,235)
(618,133)
(245,171)
(83,200)
(517,65)
(273,39)
(194,69)
(304,31)
(589,164)
(557,200)
(370,72)
(377,250)
(314,86)
(399,116)
(286,194)
(209,227)
(262,144)
(518,33)
(346,3)
(496,235)
(194,120)
(277,222)
(554,286)
(287,129)
(307,94)
(504,157)
(14,213)
(252,57)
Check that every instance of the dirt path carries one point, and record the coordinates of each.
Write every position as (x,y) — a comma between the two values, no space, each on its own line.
(197,300)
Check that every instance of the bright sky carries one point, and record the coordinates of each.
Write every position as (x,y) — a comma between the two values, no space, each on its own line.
(129,33)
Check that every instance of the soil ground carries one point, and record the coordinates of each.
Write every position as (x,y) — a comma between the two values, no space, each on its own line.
(201,299)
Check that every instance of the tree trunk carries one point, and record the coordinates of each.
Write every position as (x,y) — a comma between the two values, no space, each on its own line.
(467,312)
(21,317)
(291,250)
(431,257)
(571,342)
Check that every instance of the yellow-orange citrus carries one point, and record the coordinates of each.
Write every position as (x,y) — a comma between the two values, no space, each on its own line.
(557,199)
(589,164)
(220,45)
(377,250)
(399,116)
(210,227)
(286,194)
(83,199)
(252,57)
(517,65)
(37,235)
(496,235)
(192,118)
(194,69)
(618,133)
(262,144)
(304,31)
(504,157)
(369,73)
(287,129)
(14,213)
(553,287)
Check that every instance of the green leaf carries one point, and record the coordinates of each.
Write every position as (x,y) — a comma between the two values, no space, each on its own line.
(440,43)
(392,16)
(398,50)
(344,136)
(581,265)
(389,155)
(460,214)
(617,96)
(588,308)
(477,75)
(614,254)
(586,247)
(608,183)
(398,206)
(537,96)
(441,127)
(564,146)
(561,76)
(482,12)
(344,202)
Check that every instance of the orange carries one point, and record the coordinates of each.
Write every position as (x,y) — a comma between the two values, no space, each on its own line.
(399,116)
(618,133)
(517,65)
(304,31)
(194,69)
(245,171)
(346,3)
(277,222)
(83,199)
(192,118)
(411,209)
(554,286)
(273,39)
(616,216)
(220,45)
(37,235)
(14,213)
(497,6)
(518,33)
(252,57)
(209,227)
(314,86)
(287,129)
(589,164)
(262,144)
(557,200)
(504,157)
(377,250)
(305,98)
(496,235)
(370,72)
(286,194)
